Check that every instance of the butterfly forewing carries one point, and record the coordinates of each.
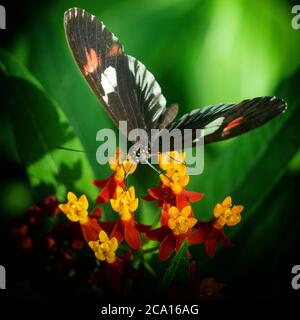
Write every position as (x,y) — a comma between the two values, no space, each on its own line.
(126,89)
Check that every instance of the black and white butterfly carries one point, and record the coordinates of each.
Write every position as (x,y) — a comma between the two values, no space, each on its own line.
(129,92)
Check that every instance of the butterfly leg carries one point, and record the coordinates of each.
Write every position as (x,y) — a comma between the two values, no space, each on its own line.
(126,174)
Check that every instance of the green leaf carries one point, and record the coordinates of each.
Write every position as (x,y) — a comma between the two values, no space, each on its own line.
(178,268)
(39,127)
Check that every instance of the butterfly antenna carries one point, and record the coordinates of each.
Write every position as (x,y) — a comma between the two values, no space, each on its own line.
(181,162)
(127,173)
(152,167)
(125,176)
(73,150)
(157,171)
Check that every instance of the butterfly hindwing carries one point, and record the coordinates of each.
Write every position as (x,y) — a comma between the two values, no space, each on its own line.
(224,121)
(126,89)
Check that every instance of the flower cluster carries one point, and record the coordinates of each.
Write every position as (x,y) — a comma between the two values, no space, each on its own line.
(114,242)
(177,219)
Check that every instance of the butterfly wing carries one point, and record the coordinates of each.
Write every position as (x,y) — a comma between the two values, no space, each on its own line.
(224,121)
(126,89)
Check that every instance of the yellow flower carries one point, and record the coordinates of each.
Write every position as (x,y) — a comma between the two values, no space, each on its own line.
(120,166)
(172,160)
(125,202)
(226,214)
(104,248)
(179,222)
(75,209)
(176,179)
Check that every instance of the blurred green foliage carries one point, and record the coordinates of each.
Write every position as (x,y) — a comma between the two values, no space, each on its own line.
(201,52)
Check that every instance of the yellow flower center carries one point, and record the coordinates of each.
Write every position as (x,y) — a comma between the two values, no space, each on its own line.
(171,160)
(122,167)
(104,248)
(125,202)
(175,179)
(226,214)
(180,222)
(175,167)
(75,209)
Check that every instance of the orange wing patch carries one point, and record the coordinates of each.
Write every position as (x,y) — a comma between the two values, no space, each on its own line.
(93,61)
(115,50)
(234,123)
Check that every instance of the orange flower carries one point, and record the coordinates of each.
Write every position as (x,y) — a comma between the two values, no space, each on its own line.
(104,247)
(76,211)
(181,222)
(125,203)
(226,214)
(126,227)
(172,160)
(177,230)
(109,185)
(212,232)
(120,166)
(175,167)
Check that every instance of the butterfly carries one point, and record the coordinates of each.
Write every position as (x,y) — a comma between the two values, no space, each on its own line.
(129,92)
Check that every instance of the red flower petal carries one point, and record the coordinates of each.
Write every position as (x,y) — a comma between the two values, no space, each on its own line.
(211,245)
(204,229)
(165,214)
(25,244)
(167,247)
(132,236)
(107,226)
(157,234)
(118,231)
(157,193)
(100,183)
(90,230)
(181,200)
(194,196)
(126,256)
(34,215)
(97,213)
(225,241)
(77,244)
(50,244)
(148,198)
(114,276)
(19,230)
(162,194)
(180,239)
(109,189)
(50,206)
(143,228)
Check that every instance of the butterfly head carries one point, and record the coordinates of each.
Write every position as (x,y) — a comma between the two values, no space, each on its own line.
(139,153)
